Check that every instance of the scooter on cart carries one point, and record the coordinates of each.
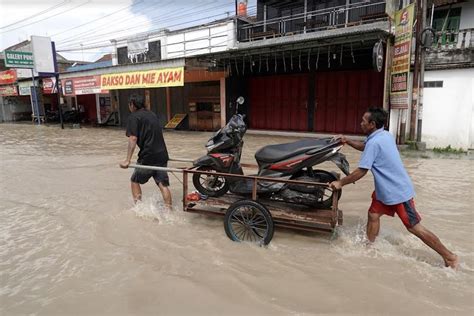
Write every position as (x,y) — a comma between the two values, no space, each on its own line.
(293,161)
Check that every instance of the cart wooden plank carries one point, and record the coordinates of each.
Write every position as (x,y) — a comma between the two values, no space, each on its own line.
(284,214)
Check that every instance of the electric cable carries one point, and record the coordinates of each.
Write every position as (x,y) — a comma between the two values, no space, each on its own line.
(95,44)
(78,38)
(34,22)
(49,9)
(102,17)
(75,41)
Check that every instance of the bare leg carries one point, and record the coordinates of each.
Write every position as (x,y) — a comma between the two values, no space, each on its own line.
(373,226)
(432,241)
(136,192)
(166,193)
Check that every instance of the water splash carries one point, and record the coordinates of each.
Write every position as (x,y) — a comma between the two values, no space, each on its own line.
(153,208)
(393,245)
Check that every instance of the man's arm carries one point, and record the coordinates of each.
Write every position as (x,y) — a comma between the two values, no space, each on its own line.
(132,143)
(351,178)
(356,144)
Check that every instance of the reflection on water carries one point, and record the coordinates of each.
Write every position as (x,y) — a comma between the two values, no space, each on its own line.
(73,242)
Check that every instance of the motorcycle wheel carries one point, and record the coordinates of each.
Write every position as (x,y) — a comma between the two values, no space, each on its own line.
(322,176)
(325,177)
(213,186)
(250,221)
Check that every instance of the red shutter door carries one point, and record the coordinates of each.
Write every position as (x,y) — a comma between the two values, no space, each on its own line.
(279,102)
(342,98)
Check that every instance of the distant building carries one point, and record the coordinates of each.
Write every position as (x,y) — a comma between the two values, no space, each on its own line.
(15,94)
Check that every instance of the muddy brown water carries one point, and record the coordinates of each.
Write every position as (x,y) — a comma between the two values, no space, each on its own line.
(72,242)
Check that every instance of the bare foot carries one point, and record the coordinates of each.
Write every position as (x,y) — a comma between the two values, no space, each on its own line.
(452,261)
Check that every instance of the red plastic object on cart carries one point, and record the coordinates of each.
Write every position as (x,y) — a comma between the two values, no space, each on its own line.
(194,196)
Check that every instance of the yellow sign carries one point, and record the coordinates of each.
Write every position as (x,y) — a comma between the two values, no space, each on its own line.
(175,121)
(168,77)
(401,58)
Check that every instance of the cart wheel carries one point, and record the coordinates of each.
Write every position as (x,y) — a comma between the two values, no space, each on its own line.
(247,220)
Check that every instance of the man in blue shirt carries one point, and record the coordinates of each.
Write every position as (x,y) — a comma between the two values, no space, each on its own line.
(393,188)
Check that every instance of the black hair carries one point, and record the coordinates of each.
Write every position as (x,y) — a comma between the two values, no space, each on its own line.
(137,101)
(378,116)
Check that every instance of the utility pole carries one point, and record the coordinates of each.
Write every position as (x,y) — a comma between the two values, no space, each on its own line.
(422,76)
(417,85)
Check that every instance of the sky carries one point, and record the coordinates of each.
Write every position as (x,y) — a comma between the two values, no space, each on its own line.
(82,29)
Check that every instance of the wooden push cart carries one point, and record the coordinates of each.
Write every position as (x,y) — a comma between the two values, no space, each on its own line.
(253,218)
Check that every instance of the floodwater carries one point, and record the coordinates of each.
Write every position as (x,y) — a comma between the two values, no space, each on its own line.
(72,242)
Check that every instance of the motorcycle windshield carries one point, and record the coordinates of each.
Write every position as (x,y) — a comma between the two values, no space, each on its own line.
(236,124)
(341,161)
(228,136)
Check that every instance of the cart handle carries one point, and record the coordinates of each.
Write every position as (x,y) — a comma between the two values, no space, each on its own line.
(230,175)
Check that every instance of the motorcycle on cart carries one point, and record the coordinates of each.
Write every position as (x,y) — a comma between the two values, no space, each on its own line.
(287,181)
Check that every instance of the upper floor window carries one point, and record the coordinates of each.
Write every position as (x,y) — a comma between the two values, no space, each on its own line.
(446,25)
(152,53)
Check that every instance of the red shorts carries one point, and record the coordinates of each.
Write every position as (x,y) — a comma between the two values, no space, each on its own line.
(406,211)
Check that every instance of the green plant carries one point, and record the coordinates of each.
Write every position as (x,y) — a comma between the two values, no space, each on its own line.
(448,150)
(411,144)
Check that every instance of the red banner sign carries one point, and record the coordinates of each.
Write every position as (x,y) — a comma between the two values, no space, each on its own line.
(49,85)
(82,85)
(7,91)
(8,76)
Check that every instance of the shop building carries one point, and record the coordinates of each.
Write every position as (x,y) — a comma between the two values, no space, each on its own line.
(308,65)
(15,97)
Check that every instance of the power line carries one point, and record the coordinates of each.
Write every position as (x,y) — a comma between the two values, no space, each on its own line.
(54,7)
(169,18)
(88,22)
(216,35)
(77,36)
(95,44)
(108,45)
(80,5)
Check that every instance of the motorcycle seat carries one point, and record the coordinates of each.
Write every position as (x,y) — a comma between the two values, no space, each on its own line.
(274,153)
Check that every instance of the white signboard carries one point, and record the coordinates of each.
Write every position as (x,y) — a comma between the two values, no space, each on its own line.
(23,73)
(24,87)
(43,53)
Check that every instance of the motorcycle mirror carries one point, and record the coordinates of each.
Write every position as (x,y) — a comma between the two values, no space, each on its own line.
(240,100)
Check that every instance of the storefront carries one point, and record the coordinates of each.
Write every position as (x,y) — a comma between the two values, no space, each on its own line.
(50,96)
(308,86)
(15,105)
(199,97)
(85,96)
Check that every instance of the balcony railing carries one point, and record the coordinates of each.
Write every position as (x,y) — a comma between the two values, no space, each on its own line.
(447,40)
(311,21)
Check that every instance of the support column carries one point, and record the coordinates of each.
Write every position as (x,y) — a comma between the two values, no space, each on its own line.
(264,17)
(97,108)
(305,14)
(168,104)
(223,101)
(388,67)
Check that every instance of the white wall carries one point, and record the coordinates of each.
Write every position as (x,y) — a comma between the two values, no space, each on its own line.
(467,15)
(448,111)
(200,40)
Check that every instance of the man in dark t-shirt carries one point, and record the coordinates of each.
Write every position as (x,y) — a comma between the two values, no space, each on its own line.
(144,129)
